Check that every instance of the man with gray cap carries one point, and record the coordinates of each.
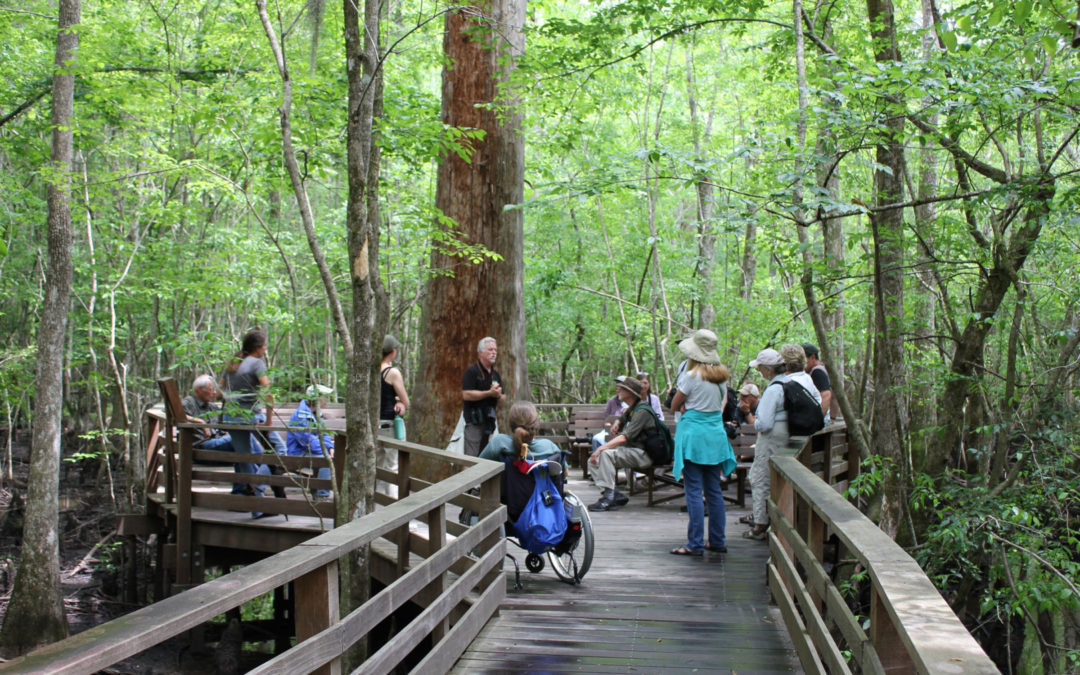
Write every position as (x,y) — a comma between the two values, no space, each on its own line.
(626,449)
(770,420)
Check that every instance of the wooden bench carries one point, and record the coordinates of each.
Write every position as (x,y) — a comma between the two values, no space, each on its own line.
(742,445)
(585,422)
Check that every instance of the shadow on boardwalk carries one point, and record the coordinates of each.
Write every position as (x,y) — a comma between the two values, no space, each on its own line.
(640,609)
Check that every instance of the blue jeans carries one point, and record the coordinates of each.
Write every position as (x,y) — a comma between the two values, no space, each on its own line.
(244,444)
(695,478)
(222,443)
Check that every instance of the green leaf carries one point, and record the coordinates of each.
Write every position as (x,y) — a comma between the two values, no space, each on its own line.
(1050,44)
(949,38)
(1021,11)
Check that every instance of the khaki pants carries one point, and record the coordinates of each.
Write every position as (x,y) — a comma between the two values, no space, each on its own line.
(768,444)
(622,457)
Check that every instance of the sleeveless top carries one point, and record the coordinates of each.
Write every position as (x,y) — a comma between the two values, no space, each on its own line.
(387,396)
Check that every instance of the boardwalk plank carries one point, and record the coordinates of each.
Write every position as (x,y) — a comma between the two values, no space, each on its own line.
(640,609)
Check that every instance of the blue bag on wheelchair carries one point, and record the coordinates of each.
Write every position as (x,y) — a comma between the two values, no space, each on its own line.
(542,523)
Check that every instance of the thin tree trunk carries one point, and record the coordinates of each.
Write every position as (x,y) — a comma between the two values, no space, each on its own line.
(299,189)
(35,614)
(467,302)
(703,271)
(924,408)
(857,433)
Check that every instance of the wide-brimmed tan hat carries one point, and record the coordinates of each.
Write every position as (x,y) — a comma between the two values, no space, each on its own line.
(701,347)
(632,385)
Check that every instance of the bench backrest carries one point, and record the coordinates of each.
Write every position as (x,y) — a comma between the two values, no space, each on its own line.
(586,420)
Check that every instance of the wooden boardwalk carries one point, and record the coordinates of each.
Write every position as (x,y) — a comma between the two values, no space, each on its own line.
(641,609)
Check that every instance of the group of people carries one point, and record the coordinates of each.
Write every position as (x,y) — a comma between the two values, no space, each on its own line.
(707,412)
(708,417)
(244,399)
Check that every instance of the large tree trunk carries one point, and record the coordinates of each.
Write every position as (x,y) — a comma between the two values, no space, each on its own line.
(466,302)
(35,615)
(889,434)
(364,82)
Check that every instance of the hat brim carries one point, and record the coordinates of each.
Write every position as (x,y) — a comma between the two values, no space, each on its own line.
(693,351)
(622,386)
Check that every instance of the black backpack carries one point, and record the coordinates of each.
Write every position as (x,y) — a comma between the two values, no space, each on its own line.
(659,445)
(804,415)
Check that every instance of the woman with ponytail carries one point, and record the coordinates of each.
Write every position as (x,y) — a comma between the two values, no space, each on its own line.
(523,442)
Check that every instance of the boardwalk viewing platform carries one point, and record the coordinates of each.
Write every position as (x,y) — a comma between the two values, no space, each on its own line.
(641,609)
(442,597)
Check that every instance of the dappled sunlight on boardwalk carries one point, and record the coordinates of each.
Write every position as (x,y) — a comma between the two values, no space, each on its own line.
(640,609)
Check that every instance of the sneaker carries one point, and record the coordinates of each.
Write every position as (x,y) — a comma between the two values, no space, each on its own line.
(602,504)
(620,499)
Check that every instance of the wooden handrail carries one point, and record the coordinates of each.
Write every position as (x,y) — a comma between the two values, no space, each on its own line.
(317,559)
(911,627)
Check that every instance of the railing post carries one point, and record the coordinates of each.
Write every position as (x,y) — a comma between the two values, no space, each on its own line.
(436,522)
(403,474)
(183,509)
(403,532)
(815,542)
(826,447)
(890,650)
(315,600)
(153,426)
(489,502)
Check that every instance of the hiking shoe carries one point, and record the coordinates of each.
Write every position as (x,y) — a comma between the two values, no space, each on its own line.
(602,504)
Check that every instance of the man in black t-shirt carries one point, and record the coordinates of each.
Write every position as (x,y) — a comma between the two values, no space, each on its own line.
(481,390)
(820,376)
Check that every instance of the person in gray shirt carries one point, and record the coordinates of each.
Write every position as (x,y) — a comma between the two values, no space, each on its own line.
(246,402)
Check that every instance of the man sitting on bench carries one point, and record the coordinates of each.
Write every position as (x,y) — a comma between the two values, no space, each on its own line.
(623,451)
(201,407)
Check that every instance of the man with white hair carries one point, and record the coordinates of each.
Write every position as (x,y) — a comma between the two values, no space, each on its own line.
(202,407)
(481,391)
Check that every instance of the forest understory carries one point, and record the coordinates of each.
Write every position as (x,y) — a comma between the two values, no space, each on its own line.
(90,554)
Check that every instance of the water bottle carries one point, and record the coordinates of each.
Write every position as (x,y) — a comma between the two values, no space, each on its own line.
(399,428)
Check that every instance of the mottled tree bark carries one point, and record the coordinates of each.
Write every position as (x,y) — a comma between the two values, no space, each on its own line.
(364,83)
(889,433)
(466,302)
(35,615)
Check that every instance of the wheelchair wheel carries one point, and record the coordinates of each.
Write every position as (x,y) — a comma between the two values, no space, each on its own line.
(534,563)
(580,553)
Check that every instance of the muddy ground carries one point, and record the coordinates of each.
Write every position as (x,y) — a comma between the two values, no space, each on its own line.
(90,552)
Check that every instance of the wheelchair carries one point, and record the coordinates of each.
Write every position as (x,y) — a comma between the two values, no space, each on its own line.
(571,558)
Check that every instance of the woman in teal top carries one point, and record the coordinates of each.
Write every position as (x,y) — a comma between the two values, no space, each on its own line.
(703,454)
(523,423)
